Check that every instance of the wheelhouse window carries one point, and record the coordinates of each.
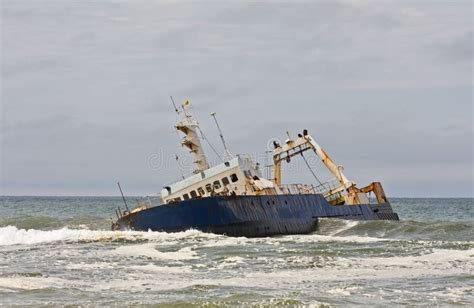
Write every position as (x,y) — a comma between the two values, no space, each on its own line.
(201,191)
(193,194)
(217,185)
(234,178)
(209,188)
(225,181)
(186,197)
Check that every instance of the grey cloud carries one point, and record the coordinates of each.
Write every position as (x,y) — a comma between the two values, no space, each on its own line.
(386,88)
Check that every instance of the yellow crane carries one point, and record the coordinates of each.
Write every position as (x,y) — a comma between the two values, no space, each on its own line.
(349,193)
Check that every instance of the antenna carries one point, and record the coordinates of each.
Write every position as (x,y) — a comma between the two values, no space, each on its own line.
(123,198)
(227,153)
(174,105)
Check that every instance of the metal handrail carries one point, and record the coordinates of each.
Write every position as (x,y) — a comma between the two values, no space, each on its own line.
(326,189)
(298,189)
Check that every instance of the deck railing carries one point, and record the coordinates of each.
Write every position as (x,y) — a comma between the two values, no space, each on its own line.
(325,189)
(298,189)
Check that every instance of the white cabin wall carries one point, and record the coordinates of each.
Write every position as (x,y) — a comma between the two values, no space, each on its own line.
(238,187)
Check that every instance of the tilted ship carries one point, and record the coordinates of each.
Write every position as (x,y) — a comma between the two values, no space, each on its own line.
(233,198)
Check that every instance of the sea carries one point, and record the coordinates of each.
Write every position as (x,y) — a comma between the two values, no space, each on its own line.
(59,251)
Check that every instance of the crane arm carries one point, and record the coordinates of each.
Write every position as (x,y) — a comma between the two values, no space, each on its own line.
(329,163)
(295,147)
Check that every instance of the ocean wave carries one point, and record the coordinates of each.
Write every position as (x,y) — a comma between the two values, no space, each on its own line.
(150,252)
(51,223)
(18,282)
(330,231)
(430,264)
(11,235)
(413,230)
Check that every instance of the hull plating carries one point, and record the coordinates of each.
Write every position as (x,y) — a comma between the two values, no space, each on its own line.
(250,216)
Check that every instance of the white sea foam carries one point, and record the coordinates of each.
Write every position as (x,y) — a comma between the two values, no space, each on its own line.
(343,291)
(230,262)
(348,224)
(221,241)
(150,250)
(314,238)
(11,235)
(150,276)
(30,283)
(437,259)
(155,269)
(439,262)
(90,266)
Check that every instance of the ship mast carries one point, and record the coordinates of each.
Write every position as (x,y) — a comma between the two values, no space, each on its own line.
(227,154)
(189,127)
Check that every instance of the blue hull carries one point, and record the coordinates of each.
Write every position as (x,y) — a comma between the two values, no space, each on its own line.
(250,216)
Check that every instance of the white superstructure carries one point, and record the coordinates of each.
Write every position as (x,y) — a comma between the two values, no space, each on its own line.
(239,175)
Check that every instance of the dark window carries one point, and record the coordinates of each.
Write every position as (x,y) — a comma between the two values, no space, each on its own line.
(217,185)
(209,188)
(186,197)
(234,178)
(193,194)
(225,181)
(227,164)
(201,191)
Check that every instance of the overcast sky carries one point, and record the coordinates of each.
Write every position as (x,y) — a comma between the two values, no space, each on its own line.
(384,86)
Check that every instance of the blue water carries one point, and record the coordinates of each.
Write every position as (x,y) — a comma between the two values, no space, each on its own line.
(59,251)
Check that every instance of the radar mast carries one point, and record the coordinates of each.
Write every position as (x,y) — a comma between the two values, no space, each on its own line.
(189,127)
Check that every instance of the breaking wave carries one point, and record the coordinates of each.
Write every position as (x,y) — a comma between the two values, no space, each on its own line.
(50,223)
(329,231)
(400,230)
(11,235)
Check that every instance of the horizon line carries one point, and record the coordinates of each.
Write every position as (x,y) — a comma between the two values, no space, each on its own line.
(141,196)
